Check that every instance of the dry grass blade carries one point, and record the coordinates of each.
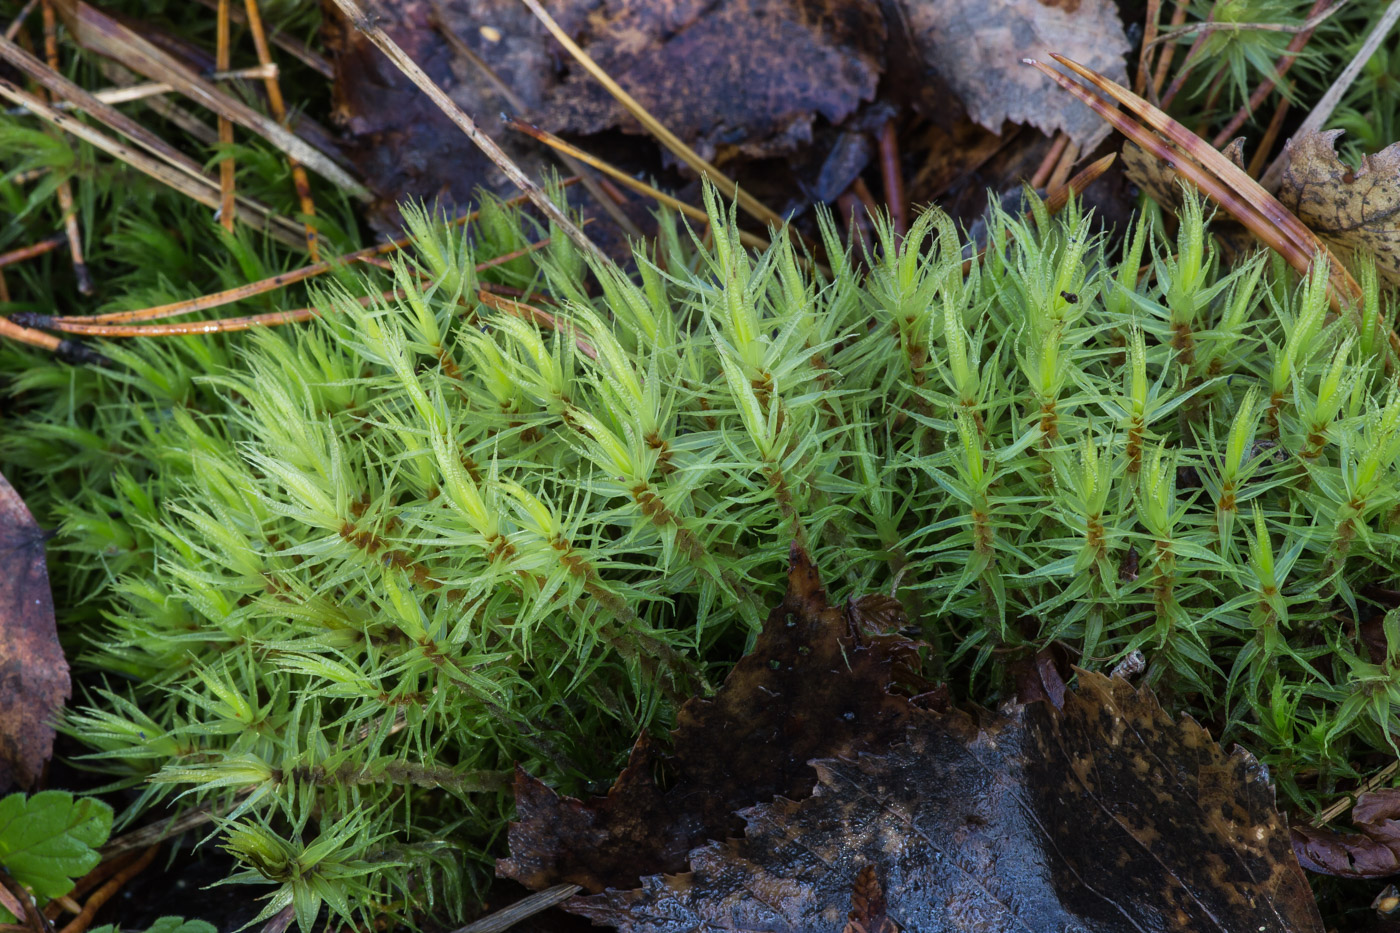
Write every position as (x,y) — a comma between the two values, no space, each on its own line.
(131,92)
(670,140)
(196,188)
(278,107)
(65,187)
(17,23)
(1226,183)
(468,126)
(612,171)
(138,134)
(100,33)
(507,917)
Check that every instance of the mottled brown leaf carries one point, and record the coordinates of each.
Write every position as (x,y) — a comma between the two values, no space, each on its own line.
(1354,211)
(1105,816)
(1374,852)
(976,47)
(813,686)
(33,672)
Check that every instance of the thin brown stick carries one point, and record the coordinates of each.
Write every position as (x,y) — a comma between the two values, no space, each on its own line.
(250,289)
(1164,60)
(528,312)
(468,126)
(1266,87)
(278,107)
(224,325)
(1041,175)
(892,175)
(32,250)
(4,289)
(523,909)
(65,187)
(1189,62)
(100,33)
(103,894)
(227,169)
(9,328)
(197,189)
(1149,39)
(670,140)
(1266,142)
(300,52)
(1059,196)
(1322,112)
(138,134)
(1060,176)
(17,23)
(617,174)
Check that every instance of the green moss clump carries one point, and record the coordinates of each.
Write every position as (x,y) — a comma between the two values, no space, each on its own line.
(362,568)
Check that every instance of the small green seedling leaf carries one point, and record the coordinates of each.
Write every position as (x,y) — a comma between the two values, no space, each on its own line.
(168,925)
(49,839)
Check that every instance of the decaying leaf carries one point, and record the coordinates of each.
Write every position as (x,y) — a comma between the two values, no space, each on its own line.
(1374,852)
(747,77)
(869,912)
(1106,816)
(33,672)
(976,47)
(1164,185)
(1355,211)
(815,685)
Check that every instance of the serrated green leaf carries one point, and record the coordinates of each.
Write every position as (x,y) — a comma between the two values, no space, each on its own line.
(49,839)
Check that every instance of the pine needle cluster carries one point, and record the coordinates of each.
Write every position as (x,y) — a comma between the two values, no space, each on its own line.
(354,572)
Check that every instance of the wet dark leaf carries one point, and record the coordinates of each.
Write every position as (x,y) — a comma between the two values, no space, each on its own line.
(1105,816)
(33,672)
(1374,852)
(813,686)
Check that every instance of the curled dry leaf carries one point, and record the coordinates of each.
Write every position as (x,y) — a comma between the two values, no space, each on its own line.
(1374,852)
(33,672)
(1105,816)
(1355,211)
(816,684)
(976,47)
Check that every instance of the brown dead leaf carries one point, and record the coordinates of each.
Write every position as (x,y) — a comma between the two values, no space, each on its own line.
(33,672)
(1354,211)
(976,47)
(1163,184)
(1374,852)
(814,685)
(737,77)
(732,78)
(1107,816)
